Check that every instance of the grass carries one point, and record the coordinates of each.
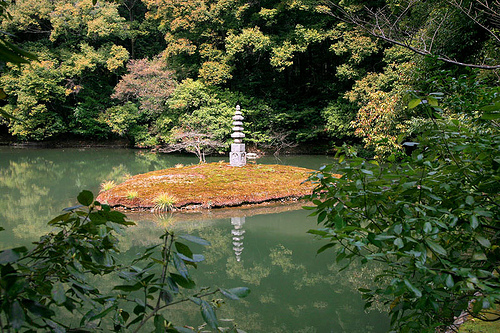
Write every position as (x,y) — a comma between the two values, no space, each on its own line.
(108,185)
(478,326)
(212,185)
(164,202)
(132,195)
(481,326)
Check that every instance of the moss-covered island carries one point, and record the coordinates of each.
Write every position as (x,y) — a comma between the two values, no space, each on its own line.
(212,185)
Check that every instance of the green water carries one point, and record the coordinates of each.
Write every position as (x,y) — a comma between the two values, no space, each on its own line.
(293,290)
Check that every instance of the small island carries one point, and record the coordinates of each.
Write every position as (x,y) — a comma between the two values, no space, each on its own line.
(210,185)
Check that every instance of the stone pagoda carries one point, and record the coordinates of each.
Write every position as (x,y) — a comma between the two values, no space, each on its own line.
(237,157)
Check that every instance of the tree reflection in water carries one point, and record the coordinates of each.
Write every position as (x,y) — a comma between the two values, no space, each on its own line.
(293,290)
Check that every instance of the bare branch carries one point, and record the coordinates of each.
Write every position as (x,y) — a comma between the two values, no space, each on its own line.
(472,14)
(201,144)
(279,141)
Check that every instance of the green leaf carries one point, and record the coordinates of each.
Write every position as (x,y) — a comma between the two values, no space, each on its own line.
(321,216)
(166,296)
(118,217)
(9,55)
(85,197)
(128,288)
(208,314)
(483,241)
(474,221)
(62,217)
(414,103)
(399,242)
(367,172)
(325,247)
(19,51)
(184,249)
(317,232)
(432,101)
(436,247)
(195,239)
(103,313)
(38,309)
(479,256)
(417,292)
(449,281)
(195,300)
(477,306)
(195,259)
(180,266)
(229,295)
(491,116)
(58,293)
(160,323)
(56,328)
(17,316)
(241,292)
(384,237)
(182,281)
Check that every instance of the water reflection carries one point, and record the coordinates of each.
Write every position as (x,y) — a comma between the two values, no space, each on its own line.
(238,235)
(36,184)
(293,290)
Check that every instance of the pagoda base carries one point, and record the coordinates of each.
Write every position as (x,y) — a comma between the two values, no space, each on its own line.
(237,156)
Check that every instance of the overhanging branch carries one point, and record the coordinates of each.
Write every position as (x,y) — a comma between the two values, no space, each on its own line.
(385,25)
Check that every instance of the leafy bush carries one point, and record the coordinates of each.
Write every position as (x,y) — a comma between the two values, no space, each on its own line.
(38,284)
(121,118)
(338,116)
(433,218)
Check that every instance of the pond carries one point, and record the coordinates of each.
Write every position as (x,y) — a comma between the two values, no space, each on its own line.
(264,248)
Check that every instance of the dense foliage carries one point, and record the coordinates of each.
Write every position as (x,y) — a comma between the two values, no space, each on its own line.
(432,218)
(145,70)
(53,286)
(164,72)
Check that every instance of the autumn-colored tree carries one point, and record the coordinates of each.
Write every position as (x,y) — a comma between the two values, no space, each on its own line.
(149,82)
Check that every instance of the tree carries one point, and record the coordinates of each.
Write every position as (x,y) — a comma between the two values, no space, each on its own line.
(42,92)
(428,28)
(37,284)
(192,141)
(149,82)
(432,219)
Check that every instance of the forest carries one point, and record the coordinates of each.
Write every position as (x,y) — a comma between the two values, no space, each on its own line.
(405,92)
(304,72)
